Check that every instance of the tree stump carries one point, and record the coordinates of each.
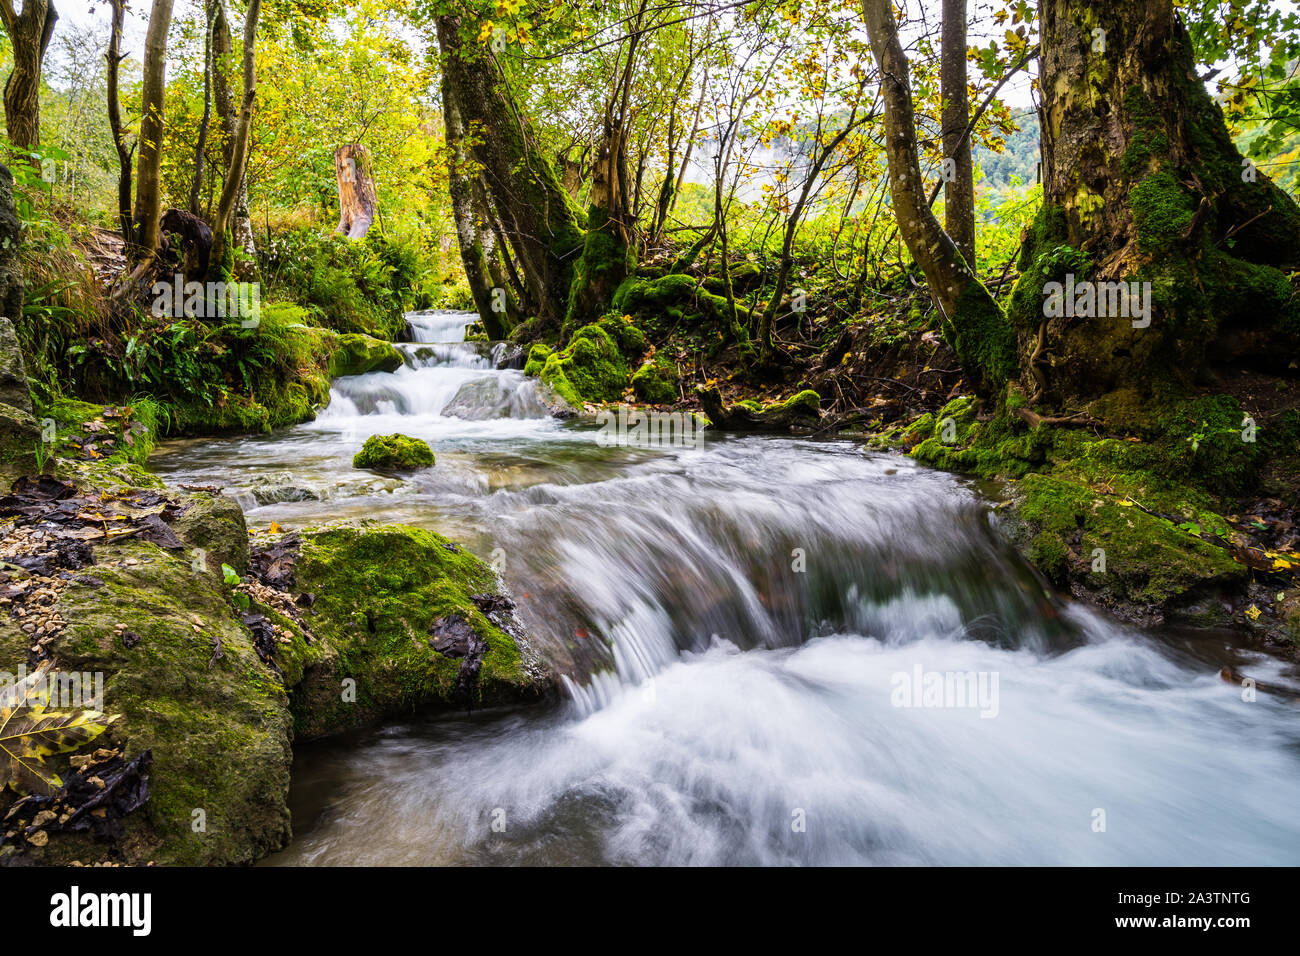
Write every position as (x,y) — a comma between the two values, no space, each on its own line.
(357,200)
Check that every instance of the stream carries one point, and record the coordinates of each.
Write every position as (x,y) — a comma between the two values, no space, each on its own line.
(774,651)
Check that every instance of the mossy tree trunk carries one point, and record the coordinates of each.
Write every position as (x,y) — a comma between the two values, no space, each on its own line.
(29,37)
(223,50)
(124,155)
(607,253)
(222,238)
(1142,184)
(148,190)
(460,187)
(537,215)
(975,326)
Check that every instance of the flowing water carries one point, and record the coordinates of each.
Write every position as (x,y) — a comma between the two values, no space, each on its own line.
(739,625)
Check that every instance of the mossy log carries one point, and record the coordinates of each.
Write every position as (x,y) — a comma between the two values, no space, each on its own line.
(801,411)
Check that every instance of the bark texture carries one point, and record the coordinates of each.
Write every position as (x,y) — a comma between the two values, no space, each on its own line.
(238,164)
(29,37)
(358,201)
(124,155)
(536,214)
(1142,184)
(975,325)
(959,185)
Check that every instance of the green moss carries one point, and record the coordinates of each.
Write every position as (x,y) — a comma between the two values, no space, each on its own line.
(218,725)
(656,382)
(629,339)
(1162,210)
(807,400)
(358,353)
(537,356)
(379,591)
(603,265)
(1149,562)
(394,453)
(983,338)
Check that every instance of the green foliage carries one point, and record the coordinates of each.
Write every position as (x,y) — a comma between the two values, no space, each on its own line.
(348,286)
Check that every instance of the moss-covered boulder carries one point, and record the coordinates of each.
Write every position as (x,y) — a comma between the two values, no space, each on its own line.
(186,683)
(1108,549)
(591,368)
(401,619)
(655,382)
(358,353)
(287,393)
(390,453)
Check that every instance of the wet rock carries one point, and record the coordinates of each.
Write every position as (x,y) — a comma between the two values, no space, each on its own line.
(479,400)
(451,636)
(509,355)
(215,524)
(279,488)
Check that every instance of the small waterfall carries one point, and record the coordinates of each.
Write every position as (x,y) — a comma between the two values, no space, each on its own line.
(444,384)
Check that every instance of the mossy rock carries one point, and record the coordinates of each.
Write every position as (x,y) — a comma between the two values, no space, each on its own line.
(590,369)
(279,398)
(629,339)
(394,453)
(358,353)
(655,382)
(1151,566)
(745,278)
(191,689)
(183,677)
(380,592)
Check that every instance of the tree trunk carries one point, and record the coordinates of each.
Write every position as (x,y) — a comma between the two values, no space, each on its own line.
(223,48)
(148,190)
(29,37)
(460,188)
(606,253)
(975,325)
(358,201)
(200,149)
(536,213)
(221,232)
(959,174)
(115,57)
(1142,185)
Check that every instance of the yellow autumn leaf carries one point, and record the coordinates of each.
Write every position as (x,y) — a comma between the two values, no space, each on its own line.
(31,729)
(1253,613)
(1280,565)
